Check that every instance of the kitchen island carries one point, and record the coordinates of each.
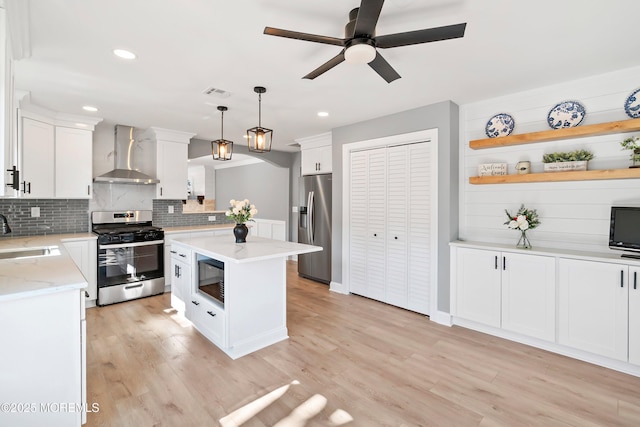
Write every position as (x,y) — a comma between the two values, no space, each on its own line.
(235,293)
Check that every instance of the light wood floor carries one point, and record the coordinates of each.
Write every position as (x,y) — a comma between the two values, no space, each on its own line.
(363,360)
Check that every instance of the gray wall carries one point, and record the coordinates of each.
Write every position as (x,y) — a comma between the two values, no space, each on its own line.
(265,185)
(444,117)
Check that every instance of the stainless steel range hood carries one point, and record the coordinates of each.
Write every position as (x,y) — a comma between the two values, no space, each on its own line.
(126,170)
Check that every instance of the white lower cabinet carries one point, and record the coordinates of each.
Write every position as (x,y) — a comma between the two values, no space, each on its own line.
(181,277)
(529,295)
(512,291)
(42,360)
(585,305)
(84,255)
(594,307)
(208,318)
(634,315)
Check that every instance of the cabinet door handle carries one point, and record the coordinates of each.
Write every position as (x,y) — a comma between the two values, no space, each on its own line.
(161,191)
(504,263)
(86,294)
(635,279)
(195,302)
(396,237)
(88,190)
(174,252)
(29,187)
(375,234)
(622,278)
(495,265)
(211,313)
(183,255)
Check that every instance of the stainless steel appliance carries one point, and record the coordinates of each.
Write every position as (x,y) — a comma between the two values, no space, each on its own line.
(314,226)
(211,278)
(130,256)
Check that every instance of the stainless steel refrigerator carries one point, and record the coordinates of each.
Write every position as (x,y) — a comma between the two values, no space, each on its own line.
(314,226)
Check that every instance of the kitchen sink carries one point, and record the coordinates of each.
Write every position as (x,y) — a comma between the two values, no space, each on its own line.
(29,252)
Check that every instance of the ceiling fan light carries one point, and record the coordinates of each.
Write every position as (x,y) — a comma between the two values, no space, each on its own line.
(360,54)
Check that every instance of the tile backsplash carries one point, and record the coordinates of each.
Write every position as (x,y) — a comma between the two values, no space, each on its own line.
(57,216)
(162,217)
(62,216)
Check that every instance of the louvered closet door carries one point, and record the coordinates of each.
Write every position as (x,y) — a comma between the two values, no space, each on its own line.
(390,223)
(397,217)
(376,225)
(419,239)
(358,205)
(367,224)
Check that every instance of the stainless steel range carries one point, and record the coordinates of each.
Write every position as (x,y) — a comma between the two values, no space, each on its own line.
(130,256)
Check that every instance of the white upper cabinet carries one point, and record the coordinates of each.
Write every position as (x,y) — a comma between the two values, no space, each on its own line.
(55,155)
(172,168)
(73,163)
(316,154)
(37,155)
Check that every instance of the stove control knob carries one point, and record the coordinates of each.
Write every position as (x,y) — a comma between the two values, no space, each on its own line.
(151,235)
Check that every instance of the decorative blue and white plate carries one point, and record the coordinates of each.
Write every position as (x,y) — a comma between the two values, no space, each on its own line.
(499,125)
(566,114)
(632,104)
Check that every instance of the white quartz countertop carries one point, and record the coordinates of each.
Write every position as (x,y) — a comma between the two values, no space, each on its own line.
(224,248)
(26,277)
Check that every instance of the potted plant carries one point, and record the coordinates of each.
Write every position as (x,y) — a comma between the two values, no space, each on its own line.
(570,161)
(633,144)
(241,211)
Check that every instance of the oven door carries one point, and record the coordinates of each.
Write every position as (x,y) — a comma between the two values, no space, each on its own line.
(130,262)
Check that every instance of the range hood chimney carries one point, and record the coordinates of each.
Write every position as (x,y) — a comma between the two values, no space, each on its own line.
(126,170)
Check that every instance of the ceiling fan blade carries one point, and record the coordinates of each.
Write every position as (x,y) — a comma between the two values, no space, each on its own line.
(382,67)
(368,15)
(421,36)
(326,66)
(304,36)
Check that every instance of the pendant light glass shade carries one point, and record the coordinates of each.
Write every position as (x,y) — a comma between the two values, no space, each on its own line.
(259,138)
(221,149)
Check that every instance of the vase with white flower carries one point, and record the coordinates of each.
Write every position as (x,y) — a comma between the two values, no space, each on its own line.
(241,211)
(525,219)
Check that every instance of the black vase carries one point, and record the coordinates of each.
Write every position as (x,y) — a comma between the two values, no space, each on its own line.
(240,231)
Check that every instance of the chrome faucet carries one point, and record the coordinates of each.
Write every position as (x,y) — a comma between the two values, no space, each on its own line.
(5,225)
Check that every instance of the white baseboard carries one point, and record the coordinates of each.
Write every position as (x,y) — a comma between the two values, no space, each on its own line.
(442,318)
(338,287)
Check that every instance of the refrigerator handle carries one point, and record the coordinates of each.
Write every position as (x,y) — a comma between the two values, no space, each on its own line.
(310,218)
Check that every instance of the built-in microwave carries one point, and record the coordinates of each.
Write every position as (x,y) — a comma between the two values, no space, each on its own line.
(211,278)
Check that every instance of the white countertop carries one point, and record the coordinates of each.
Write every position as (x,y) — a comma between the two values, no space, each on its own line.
(224,248)
(28,277)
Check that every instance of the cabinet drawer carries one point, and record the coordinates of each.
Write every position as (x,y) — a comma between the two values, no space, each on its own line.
(209,319)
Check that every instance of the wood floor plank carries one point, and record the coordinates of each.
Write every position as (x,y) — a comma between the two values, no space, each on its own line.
(370,362)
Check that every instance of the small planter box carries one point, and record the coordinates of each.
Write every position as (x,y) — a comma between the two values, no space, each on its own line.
(566,166)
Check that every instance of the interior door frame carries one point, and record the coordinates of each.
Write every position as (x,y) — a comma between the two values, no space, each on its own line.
(429,136)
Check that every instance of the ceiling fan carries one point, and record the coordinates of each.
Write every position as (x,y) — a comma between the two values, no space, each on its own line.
(360,41)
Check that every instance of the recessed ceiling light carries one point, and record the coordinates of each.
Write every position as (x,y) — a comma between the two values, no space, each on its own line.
(124,54)
(323,114)
(89,108)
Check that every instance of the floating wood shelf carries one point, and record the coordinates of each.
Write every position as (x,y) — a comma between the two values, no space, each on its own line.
(556,134)
(558,176)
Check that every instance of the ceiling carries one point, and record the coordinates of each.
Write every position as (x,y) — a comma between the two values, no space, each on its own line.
(186,46)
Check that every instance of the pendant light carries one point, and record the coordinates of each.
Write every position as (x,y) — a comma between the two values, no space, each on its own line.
(221,148)
(259,138)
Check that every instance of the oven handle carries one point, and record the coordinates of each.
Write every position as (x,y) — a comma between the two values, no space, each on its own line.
(131,245)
